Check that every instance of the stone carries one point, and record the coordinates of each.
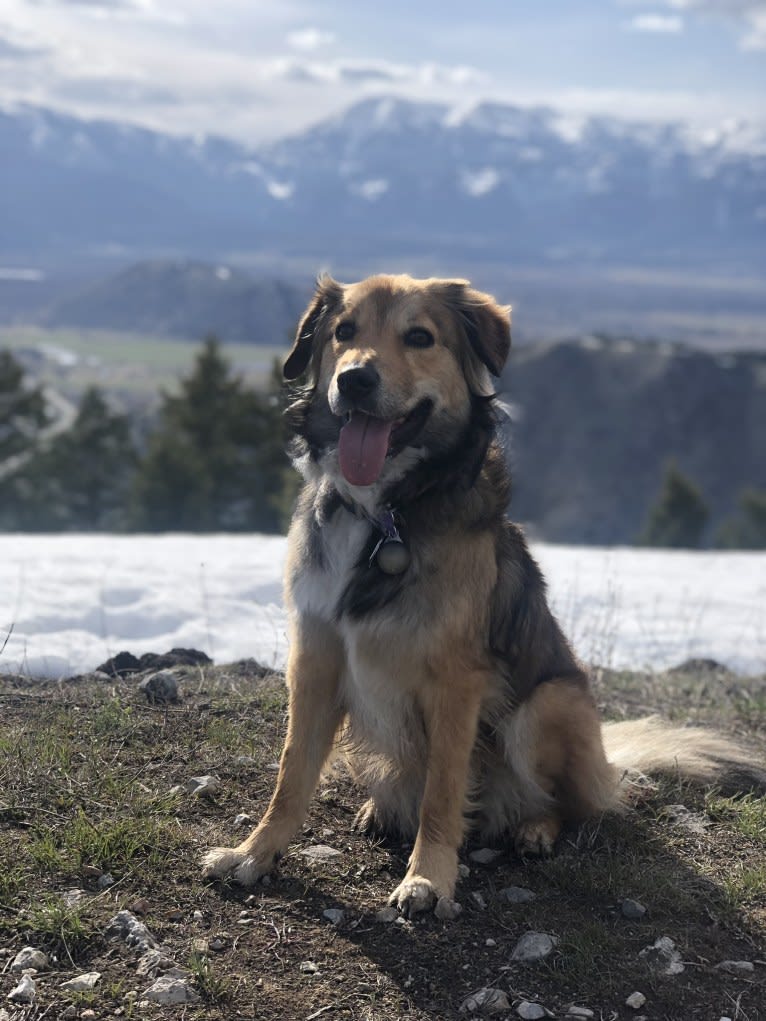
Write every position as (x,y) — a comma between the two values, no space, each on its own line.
(386,915)
(478,900)
(82,983)
(663,956)
(517,895)
(632,909)
(73,897)
(24,992)
(319,853)
(309,968)
(463,871)
(635,1001)
(28,957)
(737,967)
(126,926)
(140,906)
(447,910)
(202,786)
(170,989)
(198,916)
(334,915)
(486,1000)
(243,819)
(484,856)
(69,1012)
(245,760)
(582,1012)
(490,942)
(533,946)
(530,1011)
(160,689)
(105,880)
(680,816)
(152,962)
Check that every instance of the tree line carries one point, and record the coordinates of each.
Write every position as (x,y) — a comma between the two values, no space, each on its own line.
(214,460)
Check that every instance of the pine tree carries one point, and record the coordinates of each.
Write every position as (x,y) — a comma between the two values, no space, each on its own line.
(747,528)
(83,477)
(22,410)
(210,463)
(679,516)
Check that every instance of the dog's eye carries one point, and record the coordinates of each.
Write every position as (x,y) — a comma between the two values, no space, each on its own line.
(418,337)
(345,331)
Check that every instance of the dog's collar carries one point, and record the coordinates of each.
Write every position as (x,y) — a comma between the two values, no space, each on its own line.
(390,552)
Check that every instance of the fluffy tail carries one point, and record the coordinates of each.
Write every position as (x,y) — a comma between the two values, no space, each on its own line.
(651,746)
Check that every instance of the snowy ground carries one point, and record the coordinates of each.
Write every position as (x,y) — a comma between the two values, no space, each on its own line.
(71,601)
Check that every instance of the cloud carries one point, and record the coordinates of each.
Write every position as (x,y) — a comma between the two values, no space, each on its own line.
(661,24)
(309,39)
(105,5)
(750,13)
(13,51)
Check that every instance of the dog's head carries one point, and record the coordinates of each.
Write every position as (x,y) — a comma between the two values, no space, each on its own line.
(393,364)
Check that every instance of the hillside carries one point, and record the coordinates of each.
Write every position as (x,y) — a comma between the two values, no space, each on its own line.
(388,178)
(595,421)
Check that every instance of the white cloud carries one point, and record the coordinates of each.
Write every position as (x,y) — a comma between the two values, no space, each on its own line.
(309,39)
(663,24)
(750,13)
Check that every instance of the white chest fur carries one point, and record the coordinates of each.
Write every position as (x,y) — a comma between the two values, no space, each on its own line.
(318,587)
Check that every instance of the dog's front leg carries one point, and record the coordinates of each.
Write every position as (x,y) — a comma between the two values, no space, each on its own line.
(451,715)
(315,714)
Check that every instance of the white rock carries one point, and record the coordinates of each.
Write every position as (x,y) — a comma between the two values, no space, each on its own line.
(73,897)
(478,900)
(170,989)
(126,926)
(737,967)
(243,819)
(484,856)
(28,957)
(530,1011)
(663,956)
(447,910)
(388,914)
(485,1001)
(82,983)
(198,916)
(309,968)
(24,992)
(463,871)
(490,942)
(203,786)
(533,946)
(635,1001)
(320,852)
(517,894)
(632,909)
(583,1012)
(334,915)
(152,962)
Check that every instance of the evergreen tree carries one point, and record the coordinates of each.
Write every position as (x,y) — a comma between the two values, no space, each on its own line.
(746,529)
(83,477)
(679,516)
(22,410)
(211,462)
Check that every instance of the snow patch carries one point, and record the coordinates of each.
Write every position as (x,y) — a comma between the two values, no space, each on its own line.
(74,600)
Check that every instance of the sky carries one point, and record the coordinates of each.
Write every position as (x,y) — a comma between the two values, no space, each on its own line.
(259,69)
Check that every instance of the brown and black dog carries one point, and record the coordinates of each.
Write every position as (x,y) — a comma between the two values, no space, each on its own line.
(422,645)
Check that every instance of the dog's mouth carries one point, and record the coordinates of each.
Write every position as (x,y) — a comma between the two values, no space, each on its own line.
(366,441)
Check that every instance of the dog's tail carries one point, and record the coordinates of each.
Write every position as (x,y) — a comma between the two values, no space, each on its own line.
(650,747)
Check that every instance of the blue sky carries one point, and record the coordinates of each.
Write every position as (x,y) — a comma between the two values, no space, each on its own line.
(254,69)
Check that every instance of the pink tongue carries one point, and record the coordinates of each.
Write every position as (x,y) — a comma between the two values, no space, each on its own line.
(363,447)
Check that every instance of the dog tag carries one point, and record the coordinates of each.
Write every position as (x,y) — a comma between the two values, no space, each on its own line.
(393,557)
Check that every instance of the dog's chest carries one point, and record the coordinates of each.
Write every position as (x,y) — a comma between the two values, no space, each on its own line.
(320,583)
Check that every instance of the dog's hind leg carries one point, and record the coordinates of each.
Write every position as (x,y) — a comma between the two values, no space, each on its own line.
(567,761)
(315,714)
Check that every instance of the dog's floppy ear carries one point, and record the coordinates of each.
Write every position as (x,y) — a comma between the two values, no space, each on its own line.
(487,325)
(327,295)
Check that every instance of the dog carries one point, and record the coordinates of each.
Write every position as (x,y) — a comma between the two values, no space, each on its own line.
(422,645)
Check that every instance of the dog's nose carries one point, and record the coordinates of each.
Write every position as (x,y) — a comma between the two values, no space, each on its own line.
(358,382)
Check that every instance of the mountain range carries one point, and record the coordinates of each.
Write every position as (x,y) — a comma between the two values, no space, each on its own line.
(388,178)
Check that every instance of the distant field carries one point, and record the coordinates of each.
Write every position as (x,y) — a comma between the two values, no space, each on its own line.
(132,365)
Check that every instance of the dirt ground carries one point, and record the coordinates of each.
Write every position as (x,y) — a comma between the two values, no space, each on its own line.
(87,775)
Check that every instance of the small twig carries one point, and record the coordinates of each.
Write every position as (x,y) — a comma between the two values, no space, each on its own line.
(7,637)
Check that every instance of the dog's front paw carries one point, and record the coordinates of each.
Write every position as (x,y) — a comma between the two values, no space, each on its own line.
(413,895)
(240,866)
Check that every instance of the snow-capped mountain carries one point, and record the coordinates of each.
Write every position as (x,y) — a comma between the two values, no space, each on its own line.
(391,176)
